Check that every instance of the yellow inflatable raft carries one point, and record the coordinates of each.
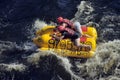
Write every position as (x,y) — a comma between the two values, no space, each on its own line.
(65,47)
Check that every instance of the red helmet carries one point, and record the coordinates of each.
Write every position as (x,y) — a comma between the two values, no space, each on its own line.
(61,28)
(60,19)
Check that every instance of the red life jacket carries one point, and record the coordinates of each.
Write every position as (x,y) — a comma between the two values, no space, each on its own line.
(70,31)
(68,22)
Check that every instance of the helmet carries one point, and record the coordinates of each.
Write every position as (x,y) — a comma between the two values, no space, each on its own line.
(61,28)
(60,19)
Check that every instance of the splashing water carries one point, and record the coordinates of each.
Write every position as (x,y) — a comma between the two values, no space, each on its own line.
(39,24)
(105,64)
(19,62)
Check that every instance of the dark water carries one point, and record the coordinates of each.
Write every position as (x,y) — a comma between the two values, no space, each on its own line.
(19,59)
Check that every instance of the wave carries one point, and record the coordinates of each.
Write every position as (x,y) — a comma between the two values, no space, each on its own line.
(19,59)
(19,63)
(105,65)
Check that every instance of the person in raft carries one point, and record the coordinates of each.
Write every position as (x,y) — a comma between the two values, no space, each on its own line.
(70,30)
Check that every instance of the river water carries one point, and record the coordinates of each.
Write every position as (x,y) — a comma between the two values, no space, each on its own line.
(20,59)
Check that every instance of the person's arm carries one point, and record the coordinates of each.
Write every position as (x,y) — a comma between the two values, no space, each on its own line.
(64,24)
(86,35)
(81,32)
(58,38)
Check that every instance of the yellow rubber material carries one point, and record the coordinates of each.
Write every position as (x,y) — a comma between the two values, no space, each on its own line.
(65,47)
